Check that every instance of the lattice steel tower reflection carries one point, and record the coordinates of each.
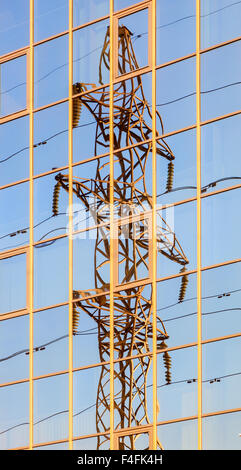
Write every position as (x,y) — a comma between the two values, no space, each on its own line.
(133,303)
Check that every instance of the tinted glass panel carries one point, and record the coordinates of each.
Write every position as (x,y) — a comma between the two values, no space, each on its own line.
(14,350)
(89,69)
(220,86)
(219,140)
(133,393)
(14,410)
(222,432)
(177,310)
(50,18)
(176,100)
(132,111)
(133,42)
(51,71)
(51,409)
(220,21)
(175,28)
(51,138)
(133,329)
(87,407)
(177,384)
(14,25)
(221,301)
(13,86)
(51,273)
(92,443)
(221,227)
(176,167)
(13,283)
(176,239)
(88,10)
(179,436)
(221,375)
(119,4)
(14,159)
(14,203)
(50,205)
(51,340)
(91,117)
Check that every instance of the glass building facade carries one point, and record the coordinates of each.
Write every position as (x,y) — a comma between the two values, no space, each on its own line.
(120,183)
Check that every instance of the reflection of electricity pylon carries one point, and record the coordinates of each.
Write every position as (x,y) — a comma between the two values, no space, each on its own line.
(133,304)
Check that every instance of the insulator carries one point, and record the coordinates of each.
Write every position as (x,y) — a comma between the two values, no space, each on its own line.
(163,345)
(183,288)
(55,205)
(167,359)
(77,104)
(170,176)
(75,320)
(167,363)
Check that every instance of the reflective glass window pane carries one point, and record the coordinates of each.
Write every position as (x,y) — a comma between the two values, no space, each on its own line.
(50,18)
(221,227)
(176,167)
(133,183)
(219,140)
(132,327)
(13,283)
(51,340)
(51,273)
(90,387)
(91,118)
(91,196)
(133,251)
(221,375)
(132,111)
(14,349)
(137,441)
(86,340)
(176,101)
(177,384)
(61,446)
(133,393)
(179,436)
(14,148)
(14,411)
(89,10)
(177,310)
(14,203)
(50,205)
(92,443)
(175,29)
(51,401)
(220,21)
(220,86)
(133,42)
(120,4)
(176,239)
(87,252)
(14,25)
(221,297)
(89,68)
(51,138)
(13,83)
(51,71)
(222,432)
